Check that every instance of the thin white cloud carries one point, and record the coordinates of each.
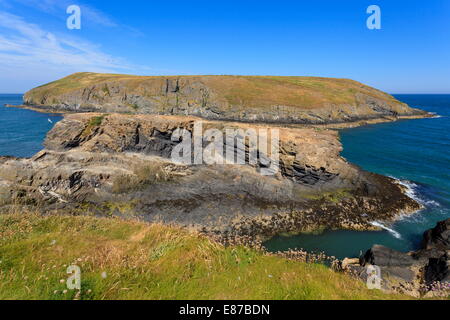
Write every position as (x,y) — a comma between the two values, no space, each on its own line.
(59,7)
(28,44)
(31,55)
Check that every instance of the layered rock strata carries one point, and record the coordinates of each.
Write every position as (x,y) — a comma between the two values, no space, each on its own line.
(115,164)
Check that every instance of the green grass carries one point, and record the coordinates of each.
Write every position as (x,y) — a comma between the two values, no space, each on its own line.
(135,107)
(93,123)
(96,121)
(143,261)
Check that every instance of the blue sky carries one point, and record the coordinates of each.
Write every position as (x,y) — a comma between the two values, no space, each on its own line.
(410,54)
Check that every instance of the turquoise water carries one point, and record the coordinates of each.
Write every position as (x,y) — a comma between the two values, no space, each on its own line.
(415,151)
(22,131)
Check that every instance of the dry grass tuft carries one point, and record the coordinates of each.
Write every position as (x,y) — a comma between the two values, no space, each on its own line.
(143,175)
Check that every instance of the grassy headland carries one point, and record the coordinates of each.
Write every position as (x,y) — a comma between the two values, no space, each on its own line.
(272,99)
(251,91)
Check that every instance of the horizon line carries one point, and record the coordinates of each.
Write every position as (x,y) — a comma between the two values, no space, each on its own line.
(417,93)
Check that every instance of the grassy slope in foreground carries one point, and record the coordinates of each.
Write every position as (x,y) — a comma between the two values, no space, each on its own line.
(145,261)
(253,98)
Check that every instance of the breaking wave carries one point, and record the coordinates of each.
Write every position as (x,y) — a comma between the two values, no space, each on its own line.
(413,192)
(390,230)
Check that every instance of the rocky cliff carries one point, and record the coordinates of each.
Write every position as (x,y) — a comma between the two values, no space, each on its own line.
(238,98)
(116,164)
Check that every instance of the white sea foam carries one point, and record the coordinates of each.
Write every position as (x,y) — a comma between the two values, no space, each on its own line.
(412,217)
(411,191)
(435,115)
(390,230)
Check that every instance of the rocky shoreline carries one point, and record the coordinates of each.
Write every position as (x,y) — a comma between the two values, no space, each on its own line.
(109,165)
(329,125)
(36,109)
(421,273)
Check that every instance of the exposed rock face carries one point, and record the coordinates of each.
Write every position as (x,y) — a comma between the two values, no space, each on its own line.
(438,237)
(436,247)
(120,164)
(236,98)
(437,270)
(386,257)
(416,273)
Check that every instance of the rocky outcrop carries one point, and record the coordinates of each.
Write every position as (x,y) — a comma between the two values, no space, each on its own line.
(437,270)
(436,248)
(303,100)
(438,237)
(115,164)
(419,273)
(386,257)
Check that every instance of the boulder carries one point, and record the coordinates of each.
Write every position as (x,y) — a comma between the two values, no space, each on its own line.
(437,270)
(385,257)
(348,262)
(397,273)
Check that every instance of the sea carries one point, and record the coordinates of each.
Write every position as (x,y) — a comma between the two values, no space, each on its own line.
(22,131)
(416,152)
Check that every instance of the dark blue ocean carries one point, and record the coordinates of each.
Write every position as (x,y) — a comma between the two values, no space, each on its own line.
(22,132)
(417,152)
